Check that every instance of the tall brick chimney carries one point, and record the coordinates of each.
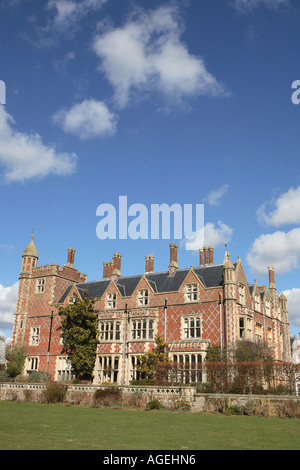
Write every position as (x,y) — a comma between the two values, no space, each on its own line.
(206,256)
(106,270)
(173,266)
(211,254)
(201,257)
(272,284)
(71,257)
(149,264)
(116,273)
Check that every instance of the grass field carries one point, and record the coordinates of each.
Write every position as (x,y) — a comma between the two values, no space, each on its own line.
(34,426)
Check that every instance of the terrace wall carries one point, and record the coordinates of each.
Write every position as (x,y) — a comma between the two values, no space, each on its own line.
(286,406)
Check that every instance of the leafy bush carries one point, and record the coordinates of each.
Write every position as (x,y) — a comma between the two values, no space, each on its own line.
(22,379)
(154,404)
(203,387)
(39,377)
(16,358)
(108,397)
(143,382)
(182,405)
(4,377)
(55,392)
(235,410)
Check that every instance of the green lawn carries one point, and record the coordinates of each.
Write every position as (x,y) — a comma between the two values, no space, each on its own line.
(47,427)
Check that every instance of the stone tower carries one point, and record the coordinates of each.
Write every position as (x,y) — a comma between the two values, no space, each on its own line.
(29,262)
(230,301)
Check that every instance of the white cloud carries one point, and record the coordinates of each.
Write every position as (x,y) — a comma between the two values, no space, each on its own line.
(245,6)
(287,209)
(293,298)
(60,65)
(147,54)
(8,302)
(69,12)
(25,156)
(86,120)
(279,249)
(214,198)
(210,235)
(63,18)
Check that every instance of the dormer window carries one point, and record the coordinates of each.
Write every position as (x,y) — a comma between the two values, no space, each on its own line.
(143,298)
(191,293)
(111,300)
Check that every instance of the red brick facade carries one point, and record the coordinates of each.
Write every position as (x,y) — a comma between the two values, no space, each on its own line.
(191,308)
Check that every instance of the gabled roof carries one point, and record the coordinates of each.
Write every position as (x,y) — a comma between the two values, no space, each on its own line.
(95,289)
(210,276)
(127,285)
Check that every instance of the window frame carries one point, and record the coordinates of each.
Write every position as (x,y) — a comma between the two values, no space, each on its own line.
(143,298)
(142,329)
(40,286)
(111,300)
(191,293)
(109,331)
(32,364)
(35,335)
(190,325)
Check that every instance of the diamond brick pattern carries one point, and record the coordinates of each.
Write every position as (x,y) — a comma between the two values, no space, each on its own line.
(34,309)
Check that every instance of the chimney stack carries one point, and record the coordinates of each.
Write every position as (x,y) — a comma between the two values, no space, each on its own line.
(201,257)
(206,256)
(272,284)
(110,268)
(71,257)
(149,264)
(116,271)
(211,254)
(173,266)
(106,270)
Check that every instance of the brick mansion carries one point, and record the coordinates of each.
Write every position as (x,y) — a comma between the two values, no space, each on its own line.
(190,308)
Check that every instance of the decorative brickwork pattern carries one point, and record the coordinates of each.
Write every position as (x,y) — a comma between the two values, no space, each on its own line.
(189,308)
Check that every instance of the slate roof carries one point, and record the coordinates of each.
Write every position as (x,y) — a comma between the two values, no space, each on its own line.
(210,276)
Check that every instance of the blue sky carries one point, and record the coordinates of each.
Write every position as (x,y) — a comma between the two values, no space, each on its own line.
(184,102)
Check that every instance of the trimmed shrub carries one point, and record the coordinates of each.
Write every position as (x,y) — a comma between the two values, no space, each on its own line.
(108,397)
(154,404)
(39,377)
(55,392)
(143,382)
(22,379)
